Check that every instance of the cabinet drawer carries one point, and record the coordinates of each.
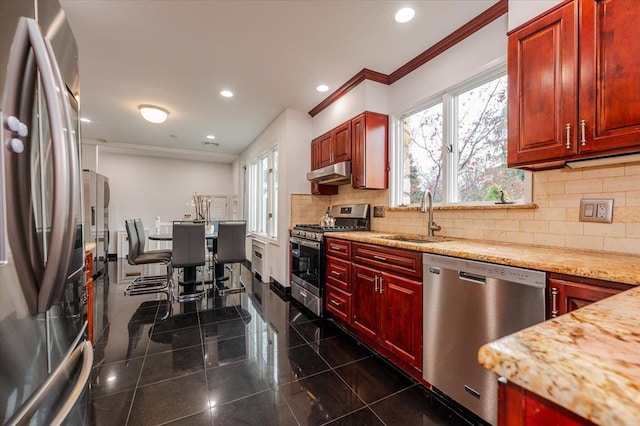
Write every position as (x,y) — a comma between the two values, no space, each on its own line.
(338,248)
(338,303)
(405,262)
(338,273)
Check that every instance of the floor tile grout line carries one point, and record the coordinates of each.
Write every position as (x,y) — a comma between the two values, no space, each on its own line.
(135,389)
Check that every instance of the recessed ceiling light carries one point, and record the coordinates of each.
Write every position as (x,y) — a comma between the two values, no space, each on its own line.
(211,137)
(227,93)
(322,88)
(405,15)
(85,120)
(153,114)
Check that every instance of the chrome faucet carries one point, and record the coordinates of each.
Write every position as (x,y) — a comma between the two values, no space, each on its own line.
(423,208)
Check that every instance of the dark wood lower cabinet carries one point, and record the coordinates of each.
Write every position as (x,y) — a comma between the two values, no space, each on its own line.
(381,306)
(387,312)
(567,293)
(401,318)
(518,407)
(366,316)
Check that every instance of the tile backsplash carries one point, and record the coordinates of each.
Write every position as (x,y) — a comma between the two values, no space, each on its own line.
(554,222)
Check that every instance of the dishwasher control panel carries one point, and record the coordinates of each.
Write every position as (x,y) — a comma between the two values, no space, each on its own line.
(479,270)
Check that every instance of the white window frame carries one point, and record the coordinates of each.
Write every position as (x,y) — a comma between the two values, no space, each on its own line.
(262,214)
(447,97)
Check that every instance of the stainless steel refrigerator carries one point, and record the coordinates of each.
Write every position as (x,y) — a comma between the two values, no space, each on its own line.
(45,360)
(96,216)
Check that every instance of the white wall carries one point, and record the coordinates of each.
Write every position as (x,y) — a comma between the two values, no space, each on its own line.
(292,131)
(367,96)
(520,11)
(146,187)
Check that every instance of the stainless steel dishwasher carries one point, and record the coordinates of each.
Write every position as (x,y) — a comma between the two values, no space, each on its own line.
(467,304)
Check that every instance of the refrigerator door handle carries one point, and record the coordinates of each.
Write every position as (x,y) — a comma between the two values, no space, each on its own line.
(31,405)
(29,43)
(69,188)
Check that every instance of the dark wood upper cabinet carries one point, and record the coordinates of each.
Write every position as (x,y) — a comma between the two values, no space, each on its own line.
(574,79)
(335,146)
(317,189)
(370,159)
(364,141)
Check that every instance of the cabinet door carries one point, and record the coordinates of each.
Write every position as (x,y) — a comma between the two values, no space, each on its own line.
(542,88)
(369,158)
(401,318)
(317,189)
(341,136)
(325,153)
(364,286)
(566,296)
(610,75)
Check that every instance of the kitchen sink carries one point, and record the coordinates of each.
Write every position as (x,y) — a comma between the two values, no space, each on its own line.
(416,239)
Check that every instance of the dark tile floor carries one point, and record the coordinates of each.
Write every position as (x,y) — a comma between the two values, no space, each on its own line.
(244,359)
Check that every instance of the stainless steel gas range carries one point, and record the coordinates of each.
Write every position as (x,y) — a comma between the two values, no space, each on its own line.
(308,255)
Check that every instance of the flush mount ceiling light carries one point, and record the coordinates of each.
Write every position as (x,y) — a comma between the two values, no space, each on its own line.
(405,15)
(226,93)
(153,114)
(322,88)
(211,137)
(85,120)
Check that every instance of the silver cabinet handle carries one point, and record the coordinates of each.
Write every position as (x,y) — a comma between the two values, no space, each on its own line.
(336,248)
(380,258)
(335,273)
(568,136)
(554,302)
(375,280)
(381,286)
(333,302)
(583,130)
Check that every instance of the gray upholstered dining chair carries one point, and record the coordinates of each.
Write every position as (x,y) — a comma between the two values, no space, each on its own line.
(146,284)
(230,249)
(189,253)
(142,238)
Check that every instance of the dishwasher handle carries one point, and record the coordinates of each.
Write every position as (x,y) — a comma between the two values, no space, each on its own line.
(466,276)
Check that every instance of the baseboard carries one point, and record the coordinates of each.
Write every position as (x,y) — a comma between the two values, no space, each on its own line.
(282,291)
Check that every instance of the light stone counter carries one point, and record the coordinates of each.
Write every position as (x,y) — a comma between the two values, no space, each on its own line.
(622,268)
(587,361)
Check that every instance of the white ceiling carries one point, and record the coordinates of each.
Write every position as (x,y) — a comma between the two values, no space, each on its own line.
(180,54)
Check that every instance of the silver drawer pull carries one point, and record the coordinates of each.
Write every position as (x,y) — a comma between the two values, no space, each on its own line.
(335,273)
(333,302)
(568,136)
(336,248)
(583,128)
(383,259)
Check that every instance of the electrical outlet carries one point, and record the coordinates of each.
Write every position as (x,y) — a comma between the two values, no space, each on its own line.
(596,210)
(378,211)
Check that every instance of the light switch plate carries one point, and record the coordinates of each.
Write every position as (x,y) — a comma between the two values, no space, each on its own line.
(596,210)
(378,211)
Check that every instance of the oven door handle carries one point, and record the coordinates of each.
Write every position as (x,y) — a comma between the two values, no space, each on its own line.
(305,243)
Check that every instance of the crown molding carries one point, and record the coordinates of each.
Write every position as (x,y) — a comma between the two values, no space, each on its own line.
(477,23)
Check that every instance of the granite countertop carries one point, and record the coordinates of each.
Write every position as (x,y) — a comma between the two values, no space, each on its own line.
(587,361)
(617,267)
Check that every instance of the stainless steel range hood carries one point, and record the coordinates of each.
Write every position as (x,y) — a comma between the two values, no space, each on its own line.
(335,174)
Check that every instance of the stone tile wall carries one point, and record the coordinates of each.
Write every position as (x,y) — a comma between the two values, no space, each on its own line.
(554,222)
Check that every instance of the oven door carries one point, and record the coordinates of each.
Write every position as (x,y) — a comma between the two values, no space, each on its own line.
(307,273)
